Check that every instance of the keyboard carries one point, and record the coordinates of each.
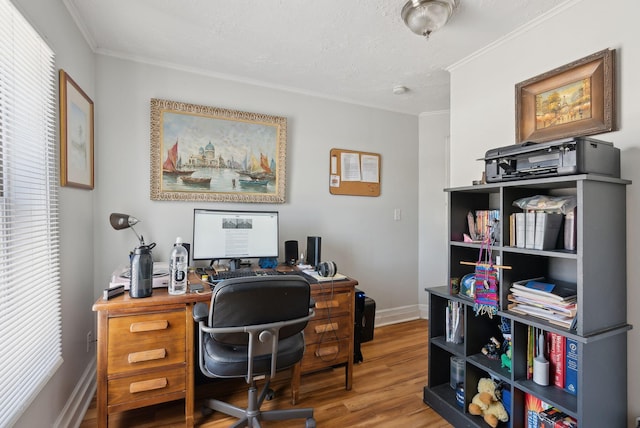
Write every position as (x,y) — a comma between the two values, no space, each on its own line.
(240,273)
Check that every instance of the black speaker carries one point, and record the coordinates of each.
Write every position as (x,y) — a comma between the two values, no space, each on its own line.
(290,252)
(187,247)
(313,250)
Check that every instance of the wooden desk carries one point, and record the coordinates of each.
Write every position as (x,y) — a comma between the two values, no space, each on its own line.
(145,350)
(329,335)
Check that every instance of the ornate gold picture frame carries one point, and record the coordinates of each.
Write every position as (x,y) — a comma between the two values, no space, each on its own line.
(574,100)
(201,153)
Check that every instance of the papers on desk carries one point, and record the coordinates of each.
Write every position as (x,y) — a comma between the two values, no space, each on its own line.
(316,276)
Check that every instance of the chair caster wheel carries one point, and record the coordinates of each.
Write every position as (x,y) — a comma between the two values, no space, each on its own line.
(206,411)
(270,395)
(310,423)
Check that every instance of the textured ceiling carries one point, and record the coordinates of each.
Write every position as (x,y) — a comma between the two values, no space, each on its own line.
(351,50)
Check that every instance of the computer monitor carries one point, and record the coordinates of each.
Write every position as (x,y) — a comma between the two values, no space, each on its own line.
(234,235)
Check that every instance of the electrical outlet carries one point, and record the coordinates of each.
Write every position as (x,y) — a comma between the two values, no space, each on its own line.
(89,340)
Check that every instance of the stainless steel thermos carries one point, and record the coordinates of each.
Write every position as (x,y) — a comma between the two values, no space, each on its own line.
(141,271)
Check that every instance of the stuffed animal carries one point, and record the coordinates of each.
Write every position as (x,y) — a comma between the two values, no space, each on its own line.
(486,403)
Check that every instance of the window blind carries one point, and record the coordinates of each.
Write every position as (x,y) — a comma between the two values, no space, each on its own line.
(30,321)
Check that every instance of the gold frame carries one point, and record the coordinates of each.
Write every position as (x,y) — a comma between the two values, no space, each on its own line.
(76,153)
(216,143)
(596,74)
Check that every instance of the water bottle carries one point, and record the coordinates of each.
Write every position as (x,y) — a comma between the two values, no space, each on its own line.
(141,272)
(178,268)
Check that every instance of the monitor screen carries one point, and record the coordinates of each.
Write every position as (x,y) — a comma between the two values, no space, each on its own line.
(222,234)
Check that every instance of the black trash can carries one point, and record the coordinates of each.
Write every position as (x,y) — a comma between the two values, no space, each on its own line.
(365,314)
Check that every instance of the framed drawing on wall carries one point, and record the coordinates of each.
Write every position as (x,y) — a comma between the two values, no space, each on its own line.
(76,135)
(574,100)
(201,153)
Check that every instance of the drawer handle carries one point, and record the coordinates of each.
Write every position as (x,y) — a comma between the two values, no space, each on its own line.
(326,327)
(328,350)
(153,354)
(148,385)
(327,304)
(138,327)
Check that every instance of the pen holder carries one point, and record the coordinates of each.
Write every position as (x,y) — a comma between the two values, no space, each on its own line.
(456,372)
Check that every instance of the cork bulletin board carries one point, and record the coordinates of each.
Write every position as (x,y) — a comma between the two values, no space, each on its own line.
(354,173)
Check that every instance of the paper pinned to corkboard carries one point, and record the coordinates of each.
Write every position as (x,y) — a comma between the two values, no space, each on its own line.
(354,172)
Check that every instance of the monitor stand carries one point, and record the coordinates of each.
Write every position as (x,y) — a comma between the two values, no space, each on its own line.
(234,264)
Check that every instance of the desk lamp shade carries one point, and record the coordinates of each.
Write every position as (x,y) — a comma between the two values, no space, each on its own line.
(124,221)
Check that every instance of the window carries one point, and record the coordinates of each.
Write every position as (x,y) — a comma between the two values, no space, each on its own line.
(30,324)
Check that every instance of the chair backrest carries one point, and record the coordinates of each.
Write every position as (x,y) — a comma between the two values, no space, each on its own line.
(258,300)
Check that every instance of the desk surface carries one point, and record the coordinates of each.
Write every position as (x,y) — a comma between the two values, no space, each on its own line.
(160,296)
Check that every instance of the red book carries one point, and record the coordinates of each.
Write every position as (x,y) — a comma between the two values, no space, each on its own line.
(557,355)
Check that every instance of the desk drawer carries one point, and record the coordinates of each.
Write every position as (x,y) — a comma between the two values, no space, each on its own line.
(145,386)
(325,354)
(332,304)
(327,328)
(146,341)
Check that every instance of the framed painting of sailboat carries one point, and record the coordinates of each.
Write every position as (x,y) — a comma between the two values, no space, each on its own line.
(201,153)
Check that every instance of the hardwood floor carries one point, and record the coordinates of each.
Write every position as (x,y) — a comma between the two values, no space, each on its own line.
(387,391)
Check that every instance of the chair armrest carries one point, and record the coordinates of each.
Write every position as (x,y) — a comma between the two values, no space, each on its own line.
(200,312)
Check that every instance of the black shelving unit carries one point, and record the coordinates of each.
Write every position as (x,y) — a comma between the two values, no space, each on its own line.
(597,269)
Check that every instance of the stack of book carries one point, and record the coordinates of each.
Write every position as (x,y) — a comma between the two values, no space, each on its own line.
(553,301)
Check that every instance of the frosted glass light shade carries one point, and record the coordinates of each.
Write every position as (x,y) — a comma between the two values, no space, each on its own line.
(426,16)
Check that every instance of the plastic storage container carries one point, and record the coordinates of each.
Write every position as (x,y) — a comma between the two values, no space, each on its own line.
(457,372)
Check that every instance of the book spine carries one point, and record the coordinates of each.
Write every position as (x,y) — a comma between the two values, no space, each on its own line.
(541,224)
(520,230)
(530,229)
(530,351)
(571,366)
(557,359)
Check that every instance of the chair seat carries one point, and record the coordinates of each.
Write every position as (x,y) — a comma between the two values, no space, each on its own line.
(222,360)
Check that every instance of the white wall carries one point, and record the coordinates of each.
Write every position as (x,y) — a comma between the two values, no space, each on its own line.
(432,226)
(358,233)
(483,112)
(54,24)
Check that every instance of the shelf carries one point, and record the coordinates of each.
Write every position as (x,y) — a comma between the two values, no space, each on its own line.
(552,395)
(547,326)
(494,367)
(559,182)
(455,348)
(562,254)
(442,399)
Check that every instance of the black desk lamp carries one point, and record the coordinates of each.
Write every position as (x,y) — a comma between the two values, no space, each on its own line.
(140,259)
(123,221)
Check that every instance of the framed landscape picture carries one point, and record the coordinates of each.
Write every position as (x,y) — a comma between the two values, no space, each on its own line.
(76,135)
(201,153)
(574,100)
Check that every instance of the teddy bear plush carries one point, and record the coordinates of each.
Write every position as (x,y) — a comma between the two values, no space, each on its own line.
(486,403)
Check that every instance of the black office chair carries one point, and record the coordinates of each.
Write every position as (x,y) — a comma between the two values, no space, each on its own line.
(254,327)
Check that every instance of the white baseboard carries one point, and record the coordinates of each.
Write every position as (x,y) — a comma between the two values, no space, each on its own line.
(398,315)
(424,311)
(74,410)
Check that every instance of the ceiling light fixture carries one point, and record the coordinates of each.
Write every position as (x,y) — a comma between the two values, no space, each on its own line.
(400,89)
(423,17)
